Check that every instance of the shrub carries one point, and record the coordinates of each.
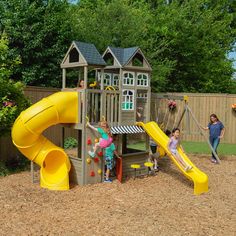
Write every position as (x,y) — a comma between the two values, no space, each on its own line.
(70,142)
(12,100)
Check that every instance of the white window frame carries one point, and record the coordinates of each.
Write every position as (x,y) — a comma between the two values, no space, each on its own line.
(127,80)
(128,100)
(141,81)
(115,81)
(107,81)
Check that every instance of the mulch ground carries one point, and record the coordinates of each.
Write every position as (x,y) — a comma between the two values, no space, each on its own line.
(157,205)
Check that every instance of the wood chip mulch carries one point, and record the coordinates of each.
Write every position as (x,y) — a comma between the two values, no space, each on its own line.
(163,204)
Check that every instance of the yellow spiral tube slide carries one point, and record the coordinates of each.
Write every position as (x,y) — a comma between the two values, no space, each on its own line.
(61,107)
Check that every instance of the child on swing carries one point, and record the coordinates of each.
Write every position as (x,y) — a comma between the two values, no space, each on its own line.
(173,144)
(106,139)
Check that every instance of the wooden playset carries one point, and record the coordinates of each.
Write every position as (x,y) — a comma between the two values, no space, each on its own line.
(121,96)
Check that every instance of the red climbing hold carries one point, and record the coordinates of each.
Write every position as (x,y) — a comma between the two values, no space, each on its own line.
(92,173)
(100,154)
(89,141)
(96,159)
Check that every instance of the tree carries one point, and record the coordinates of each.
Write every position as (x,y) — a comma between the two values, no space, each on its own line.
(40,32)
(118,23)
(12,100)
(188,46)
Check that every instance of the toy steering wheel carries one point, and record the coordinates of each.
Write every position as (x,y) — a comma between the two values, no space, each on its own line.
(110,88)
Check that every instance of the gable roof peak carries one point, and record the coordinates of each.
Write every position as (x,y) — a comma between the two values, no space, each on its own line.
(123,55)
(90,53)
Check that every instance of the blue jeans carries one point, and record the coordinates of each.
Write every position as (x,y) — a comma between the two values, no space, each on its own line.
(214,143)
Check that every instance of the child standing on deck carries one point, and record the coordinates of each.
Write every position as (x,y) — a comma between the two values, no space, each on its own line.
(109,160)
(153,155)
(106,139)
(173,144)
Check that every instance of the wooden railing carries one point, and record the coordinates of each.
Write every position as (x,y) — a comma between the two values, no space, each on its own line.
(103,104)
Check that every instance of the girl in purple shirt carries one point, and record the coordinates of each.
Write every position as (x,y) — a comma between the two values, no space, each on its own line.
(173,144)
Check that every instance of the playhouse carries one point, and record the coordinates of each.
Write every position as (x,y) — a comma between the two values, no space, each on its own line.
(122,78)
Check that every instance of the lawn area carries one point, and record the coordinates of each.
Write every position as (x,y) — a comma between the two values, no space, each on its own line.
(203,148)
(197,148)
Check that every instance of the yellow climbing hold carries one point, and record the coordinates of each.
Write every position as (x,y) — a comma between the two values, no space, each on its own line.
(88,160)
(99,171)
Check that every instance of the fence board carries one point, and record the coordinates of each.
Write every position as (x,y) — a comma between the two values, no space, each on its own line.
(202,106)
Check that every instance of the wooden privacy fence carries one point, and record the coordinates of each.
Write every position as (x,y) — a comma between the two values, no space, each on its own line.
(202,105)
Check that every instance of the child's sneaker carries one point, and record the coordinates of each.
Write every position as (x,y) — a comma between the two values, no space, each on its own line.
(213,160)
(92,154)
(187,168)
(107,181)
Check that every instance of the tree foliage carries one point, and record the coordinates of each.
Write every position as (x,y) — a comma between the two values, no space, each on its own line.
(190,41)
(12,100)
(186,41)
(40,32)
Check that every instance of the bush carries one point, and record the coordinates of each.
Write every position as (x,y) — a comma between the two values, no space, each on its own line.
(70,142)
(14,165)
(12,100)
(3,169)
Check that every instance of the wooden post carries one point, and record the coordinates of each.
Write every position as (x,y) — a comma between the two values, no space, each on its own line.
(63,78)
(32,171)
(187,119)
(83,130)
(102,97)
(199,127)
(86,77)
(149,99)
(120,97)
(181,117)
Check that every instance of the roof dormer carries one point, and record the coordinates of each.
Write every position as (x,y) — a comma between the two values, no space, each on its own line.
(82,54)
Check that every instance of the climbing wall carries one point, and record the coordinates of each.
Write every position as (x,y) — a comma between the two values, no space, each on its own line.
(94,166)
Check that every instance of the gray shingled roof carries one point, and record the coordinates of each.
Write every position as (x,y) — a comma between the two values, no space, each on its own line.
(90,53)
(123,55)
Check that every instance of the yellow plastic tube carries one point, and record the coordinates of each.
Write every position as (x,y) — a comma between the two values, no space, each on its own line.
(61,107)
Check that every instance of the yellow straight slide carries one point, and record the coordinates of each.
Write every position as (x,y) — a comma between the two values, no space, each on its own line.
(61,107)
(199,178)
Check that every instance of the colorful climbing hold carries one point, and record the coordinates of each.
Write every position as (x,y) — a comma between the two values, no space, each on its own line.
(96,159)
(99,171)
(100,154)
(96,140)
(89,141)
(92,173)
(88,160)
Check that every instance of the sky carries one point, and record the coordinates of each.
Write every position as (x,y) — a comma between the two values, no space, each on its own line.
(233,55)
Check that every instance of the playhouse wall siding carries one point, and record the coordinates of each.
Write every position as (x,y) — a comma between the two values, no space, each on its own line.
(75,174)
(134,158)
(128,118)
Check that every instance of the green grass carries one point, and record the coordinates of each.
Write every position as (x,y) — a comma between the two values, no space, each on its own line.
(138,146)
(203,148)
(197,148)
